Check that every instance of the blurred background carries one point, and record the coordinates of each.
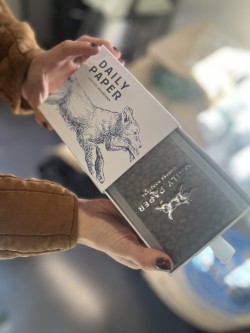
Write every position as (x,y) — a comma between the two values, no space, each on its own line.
(194,57)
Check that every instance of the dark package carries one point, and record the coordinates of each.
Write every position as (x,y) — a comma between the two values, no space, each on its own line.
(177,198)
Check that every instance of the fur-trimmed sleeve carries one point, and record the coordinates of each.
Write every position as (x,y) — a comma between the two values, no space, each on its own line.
(17,48)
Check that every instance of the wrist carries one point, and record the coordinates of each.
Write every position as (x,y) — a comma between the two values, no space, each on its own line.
(82,221)
(32,87)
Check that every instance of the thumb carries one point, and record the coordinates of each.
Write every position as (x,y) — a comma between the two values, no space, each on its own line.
(150,259)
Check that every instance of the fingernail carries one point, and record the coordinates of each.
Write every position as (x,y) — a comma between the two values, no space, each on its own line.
(93,44)
(121,60)
(163,264)
(116,49)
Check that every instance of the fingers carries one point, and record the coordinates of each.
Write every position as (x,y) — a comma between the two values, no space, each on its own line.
(149,259)
(125,262)
(161,264)
(145,259)
(76,49)
(152,259)
(99,42)
(83,47)
(101,227)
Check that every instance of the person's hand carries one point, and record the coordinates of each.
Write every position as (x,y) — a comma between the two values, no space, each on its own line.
(103,228)
(49,69)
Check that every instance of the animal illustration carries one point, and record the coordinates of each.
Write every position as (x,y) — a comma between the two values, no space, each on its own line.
(94,126)
(180,198)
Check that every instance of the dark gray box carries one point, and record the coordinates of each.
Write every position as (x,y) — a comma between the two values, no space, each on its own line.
(177,198)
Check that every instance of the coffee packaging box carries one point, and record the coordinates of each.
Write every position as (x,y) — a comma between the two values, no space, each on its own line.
(170,191)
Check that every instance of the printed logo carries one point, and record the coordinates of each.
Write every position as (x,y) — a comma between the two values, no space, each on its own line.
(181,198)
(154,192)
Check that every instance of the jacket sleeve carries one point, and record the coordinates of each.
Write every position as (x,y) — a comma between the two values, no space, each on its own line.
(17,48)
(36,217)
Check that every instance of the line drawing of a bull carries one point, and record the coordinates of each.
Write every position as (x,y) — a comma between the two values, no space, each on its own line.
(95,125)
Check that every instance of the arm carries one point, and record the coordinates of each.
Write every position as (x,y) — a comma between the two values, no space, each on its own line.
(36,217)
(26,69)
(39,216)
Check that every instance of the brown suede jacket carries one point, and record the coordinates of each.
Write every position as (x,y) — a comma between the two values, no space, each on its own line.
(35,216)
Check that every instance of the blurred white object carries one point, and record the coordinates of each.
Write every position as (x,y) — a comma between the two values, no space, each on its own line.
(222,249)
(180,51)
(156,7)
(219,72)
(177,294)
(110,8)
(230,116)
(207,294)
(212,125)
(239,165)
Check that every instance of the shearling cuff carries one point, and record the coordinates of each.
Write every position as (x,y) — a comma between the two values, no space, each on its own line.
(18,49)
